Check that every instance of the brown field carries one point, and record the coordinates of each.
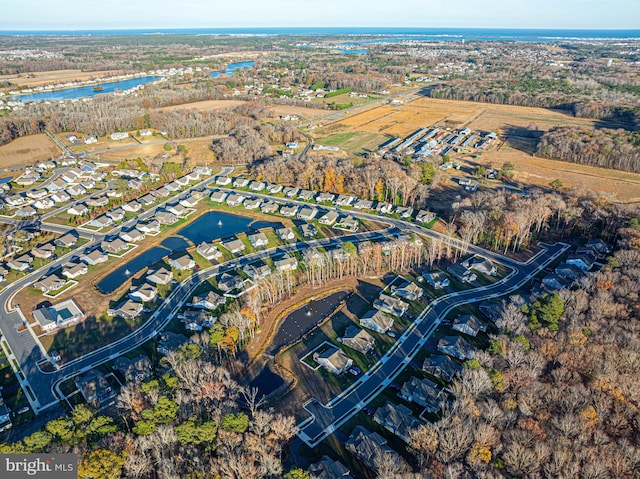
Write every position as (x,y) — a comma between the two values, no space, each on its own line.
(402,120)
(210,105)
(27,150)
(55,76)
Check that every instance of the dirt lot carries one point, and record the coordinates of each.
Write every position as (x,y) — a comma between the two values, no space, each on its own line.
(210,105)
(27,150)
(55,76)
(206,105)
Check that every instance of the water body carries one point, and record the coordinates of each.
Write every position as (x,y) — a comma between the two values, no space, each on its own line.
(84,91)
(469,34)
(231,68)
(353,52)
(266,382)
(304,319)
(215,225)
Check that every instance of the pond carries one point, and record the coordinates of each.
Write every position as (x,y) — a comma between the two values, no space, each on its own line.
(232,67)
(85,91)
(304,319)
(266,382)
(214,225)
(114,280)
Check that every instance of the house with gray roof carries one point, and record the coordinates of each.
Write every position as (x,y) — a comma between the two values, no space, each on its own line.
(358,339)
(391,305)
(376,320)
(327,468)
(370,448)
(442,366)
(333,359)
(456,347)
(422,392)
(468,324)
(235,246)
(398,419)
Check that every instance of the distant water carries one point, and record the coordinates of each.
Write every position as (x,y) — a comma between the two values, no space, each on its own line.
(467,34)
(232,67)
(84,91)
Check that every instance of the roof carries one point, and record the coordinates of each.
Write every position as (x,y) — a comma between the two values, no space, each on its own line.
(357,338)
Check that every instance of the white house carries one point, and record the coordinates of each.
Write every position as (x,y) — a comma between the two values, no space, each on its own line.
(377,321)
(334,360)
(209,251)
(145,292)
(182,261)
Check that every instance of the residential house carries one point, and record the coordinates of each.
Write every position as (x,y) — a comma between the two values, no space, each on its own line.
(286,234)
(306,195)
(327,468)
(119,135)
(437,279)
(115,215)
(57,185)
(370,448)
(169,343)
(36,194)
(98,201)
(344,200)
(234,246)
(149,227)
(468,324)
(383,208)
(404,211)
(101,222)
(257,185)
(492,310)
(257,271)
(361,204)
(583,258)
(22,263)
(398,419)
(333,359)
(391,305)
(423,392)
(114,245)
(160,275)
(132,206)
(67,240)
(308,230)
(165,218)
(555,282)
(49,283)
(329,218)
(289,210)
(307,213)
(5,417)
(325,197)
(273,188)
(14,200)
(88,184)
(76,191)
(134,184)
(183,180)
(147,200)
(190,201)
(95,389)
(258,240)
(72,270)
(129,309)
(252,203)
(196,320)
(461,273)
(483,265)
(313,258)
(268,206)
(172,187)
(161,192)
(223,180)
(26,212)
(569,271)
(135,370)
(44,251)
(286,263)
(235,199)
(230,282)
(425,216)
(131,236)
(181,261)
(456,347)
(601,247)
(442,366)
(358,339)
(203,170)
(219,196)
(408,290)
(290,191)
(96,256)
(144,292)
(376,320)
(210,301)
(348,223)
(209,251)
(240,182)
(60,197)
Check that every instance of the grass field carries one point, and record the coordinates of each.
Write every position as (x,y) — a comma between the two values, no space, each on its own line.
(27,150)
(354,142)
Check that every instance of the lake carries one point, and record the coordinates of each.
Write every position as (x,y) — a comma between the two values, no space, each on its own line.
(266,382)
(232,67)
(85,91)
(215,225)
(210,226)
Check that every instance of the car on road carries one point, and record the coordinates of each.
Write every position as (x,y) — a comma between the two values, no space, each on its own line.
(391,334)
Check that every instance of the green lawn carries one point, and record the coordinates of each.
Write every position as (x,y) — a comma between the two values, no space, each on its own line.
(354,142)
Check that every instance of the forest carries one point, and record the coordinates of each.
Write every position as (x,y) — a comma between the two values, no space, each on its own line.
(617,149)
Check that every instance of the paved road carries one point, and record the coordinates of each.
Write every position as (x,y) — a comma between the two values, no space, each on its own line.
(26,349)
(325,419)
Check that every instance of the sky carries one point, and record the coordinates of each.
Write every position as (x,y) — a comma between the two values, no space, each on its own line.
(127,14)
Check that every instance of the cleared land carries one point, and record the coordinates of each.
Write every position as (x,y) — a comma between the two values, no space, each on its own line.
(55,76)
(353,142)
(277,110)
(27,150)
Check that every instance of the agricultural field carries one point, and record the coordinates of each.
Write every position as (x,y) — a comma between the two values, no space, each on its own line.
(27,150)
(354,142)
